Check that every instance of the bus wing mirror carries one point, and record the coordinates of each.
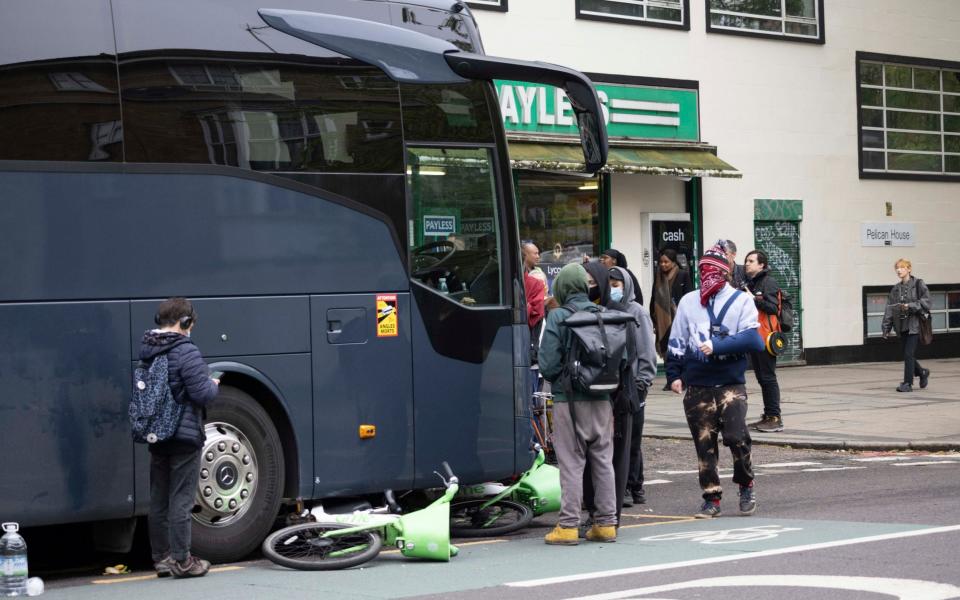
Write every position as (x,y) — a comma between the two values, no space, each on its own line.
(580,91)
(410,57)
(404,55)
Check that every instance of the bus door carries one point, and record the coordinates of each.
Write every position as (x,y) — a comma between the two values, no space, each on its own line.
(363,418)
(462,336)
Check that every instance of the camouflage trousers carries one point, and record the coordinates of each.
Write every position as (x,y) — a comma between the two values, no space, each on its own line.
(711,411)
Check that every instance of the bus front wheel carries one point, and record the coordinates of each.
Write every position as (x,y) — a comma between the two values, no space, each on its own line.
(241,478)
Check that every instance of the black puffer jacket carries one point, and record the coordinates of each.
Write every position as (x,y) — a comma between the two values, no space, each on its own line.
(764,285)
(190,383)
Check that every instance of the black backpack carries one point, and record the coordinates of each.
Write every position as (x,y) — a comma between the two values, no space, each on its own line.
(788,317)
(153,411)
(598,350)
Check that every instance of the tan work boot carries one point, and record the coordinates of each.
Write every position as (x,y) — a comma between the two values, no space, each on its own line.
(602,533)
(562,536)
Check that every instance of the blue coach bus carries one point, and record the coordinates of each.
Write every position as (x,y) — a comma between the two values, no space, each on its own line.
(329,182)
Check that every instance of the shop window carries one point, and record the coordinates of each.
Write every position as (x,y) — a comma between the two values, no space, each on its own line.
(500,5)
(800,20)
(560,214)
(455,226)
(909,118)
(944,311)
(660,13)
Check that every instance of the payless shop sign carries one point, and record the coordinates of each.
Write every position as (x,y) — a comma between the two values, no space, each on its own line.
(629,111)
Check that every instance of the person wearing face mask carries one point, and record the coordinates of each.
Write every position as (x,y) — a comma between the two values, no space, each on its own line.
(614,258)
(598,280)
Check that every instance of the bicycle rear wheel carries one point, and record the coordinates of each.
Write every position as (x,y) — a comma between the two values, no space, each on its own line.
(304,547)
(470,518)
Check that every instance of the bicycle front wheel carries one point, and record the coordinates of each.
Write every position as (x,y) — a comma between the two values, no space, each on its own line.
(470,518)
(304,547)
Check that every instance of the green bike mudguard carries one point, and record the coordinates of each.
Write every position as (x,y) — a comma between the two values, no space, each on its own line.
(542,489)
(426,533)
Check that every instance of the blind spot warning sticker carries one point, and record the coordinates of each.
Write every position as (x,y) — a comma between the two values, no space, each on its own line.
(387,315)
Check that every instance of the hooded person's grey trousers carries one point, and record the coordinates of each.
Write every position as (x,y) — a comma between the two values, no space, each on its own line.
(594,427)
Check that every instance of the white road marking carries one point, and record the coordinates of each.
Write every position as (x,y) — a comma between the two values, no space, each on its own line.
(788,464)
(830,469)
(732,557)
(903,589)
(926,462)
(882,458)
(656,481)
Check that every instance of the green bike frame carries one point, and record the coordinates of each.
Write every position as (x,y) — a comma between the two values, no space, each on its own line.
(421,534)
(538,487)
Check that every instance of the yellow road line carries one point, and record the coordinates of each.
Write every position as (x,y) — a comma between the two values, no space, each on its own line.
(675,520)
(675,517)
(154,576)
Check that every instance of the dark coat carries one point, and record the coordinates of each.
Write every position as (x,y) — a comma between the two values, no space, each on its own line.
(764,285)
(916,296)
(681,285)
(190,383)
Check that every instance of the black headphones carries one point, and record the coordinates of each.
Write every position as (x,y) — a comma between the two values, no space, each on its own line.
(185,322)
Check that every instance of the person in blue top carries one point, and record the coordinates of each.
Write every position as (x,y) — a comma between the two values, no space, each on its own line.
(714,329)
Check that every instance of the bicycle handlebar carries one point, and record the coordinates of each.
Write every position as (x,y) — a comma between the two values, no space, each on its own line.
(449,472)
(392,502)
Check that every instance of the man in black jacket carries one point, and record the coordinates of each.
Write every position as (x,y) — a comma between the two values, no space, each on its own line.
(175,463)
(765,292)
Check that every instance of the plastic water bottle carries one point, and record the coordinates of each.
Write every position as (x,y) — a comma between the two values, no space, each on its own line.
(13,562)
(443,286)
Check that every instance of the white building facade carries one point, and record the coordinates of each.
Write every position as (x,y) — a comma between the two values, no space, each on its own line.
(842,116)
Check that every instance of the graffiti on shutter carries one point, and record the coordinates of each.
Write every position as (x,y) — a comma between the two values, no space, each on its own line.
(780,241)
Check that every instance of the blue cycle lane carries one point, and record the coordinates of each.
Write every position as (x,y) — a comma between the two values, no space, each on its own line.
(644,544)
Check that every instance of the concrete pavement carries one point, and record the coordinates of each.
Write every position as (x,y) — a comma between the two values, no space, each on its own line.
(853,406)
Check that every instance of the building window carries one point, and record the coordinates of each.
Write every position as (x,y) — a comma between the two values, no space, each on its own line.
(660,13)
(944,311)
(909,114)
(800,20)
(500,5)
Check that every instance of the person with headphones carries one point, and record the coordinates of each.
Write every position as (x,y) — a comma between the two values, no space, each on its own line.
(175,463)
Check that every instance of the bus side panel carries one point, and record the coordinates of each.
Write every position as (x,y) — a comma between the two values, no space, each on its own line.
(464,411)
(135,235)
(64,389)
(362,376)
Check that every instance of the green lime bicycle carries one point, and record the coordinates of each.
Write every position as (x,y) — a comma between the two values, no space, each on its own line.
(347,540)
(491,509)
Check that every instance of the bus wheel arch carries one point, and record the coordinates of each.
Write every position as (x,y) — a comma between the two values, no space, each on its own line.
(242,474)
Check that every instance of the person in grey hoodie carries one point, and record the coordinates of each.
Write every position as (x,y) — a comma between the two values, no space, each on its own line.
(175,463)
(593,424)
(616,290)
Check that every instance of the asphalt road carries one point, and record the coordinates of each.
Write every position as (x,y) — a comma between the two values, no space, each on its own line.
(834,525)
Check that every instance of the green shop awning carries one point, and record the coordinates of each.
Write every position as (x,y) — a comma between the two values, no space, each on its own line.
(678,162)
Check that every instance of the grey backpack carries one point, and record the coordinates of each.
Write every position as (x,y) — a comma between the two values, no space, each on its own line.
(154,413)
(598,349)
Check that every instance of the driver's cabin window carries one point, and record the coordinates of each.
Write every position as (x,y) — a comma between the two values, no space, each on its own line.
(455,241)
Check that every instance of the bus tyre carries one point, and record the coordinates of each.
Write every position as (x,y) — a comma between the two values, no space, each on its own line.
(241,478)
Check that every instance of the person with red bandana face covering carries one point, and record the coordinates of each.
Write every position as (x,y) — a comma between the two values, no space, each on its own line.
(714,329)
